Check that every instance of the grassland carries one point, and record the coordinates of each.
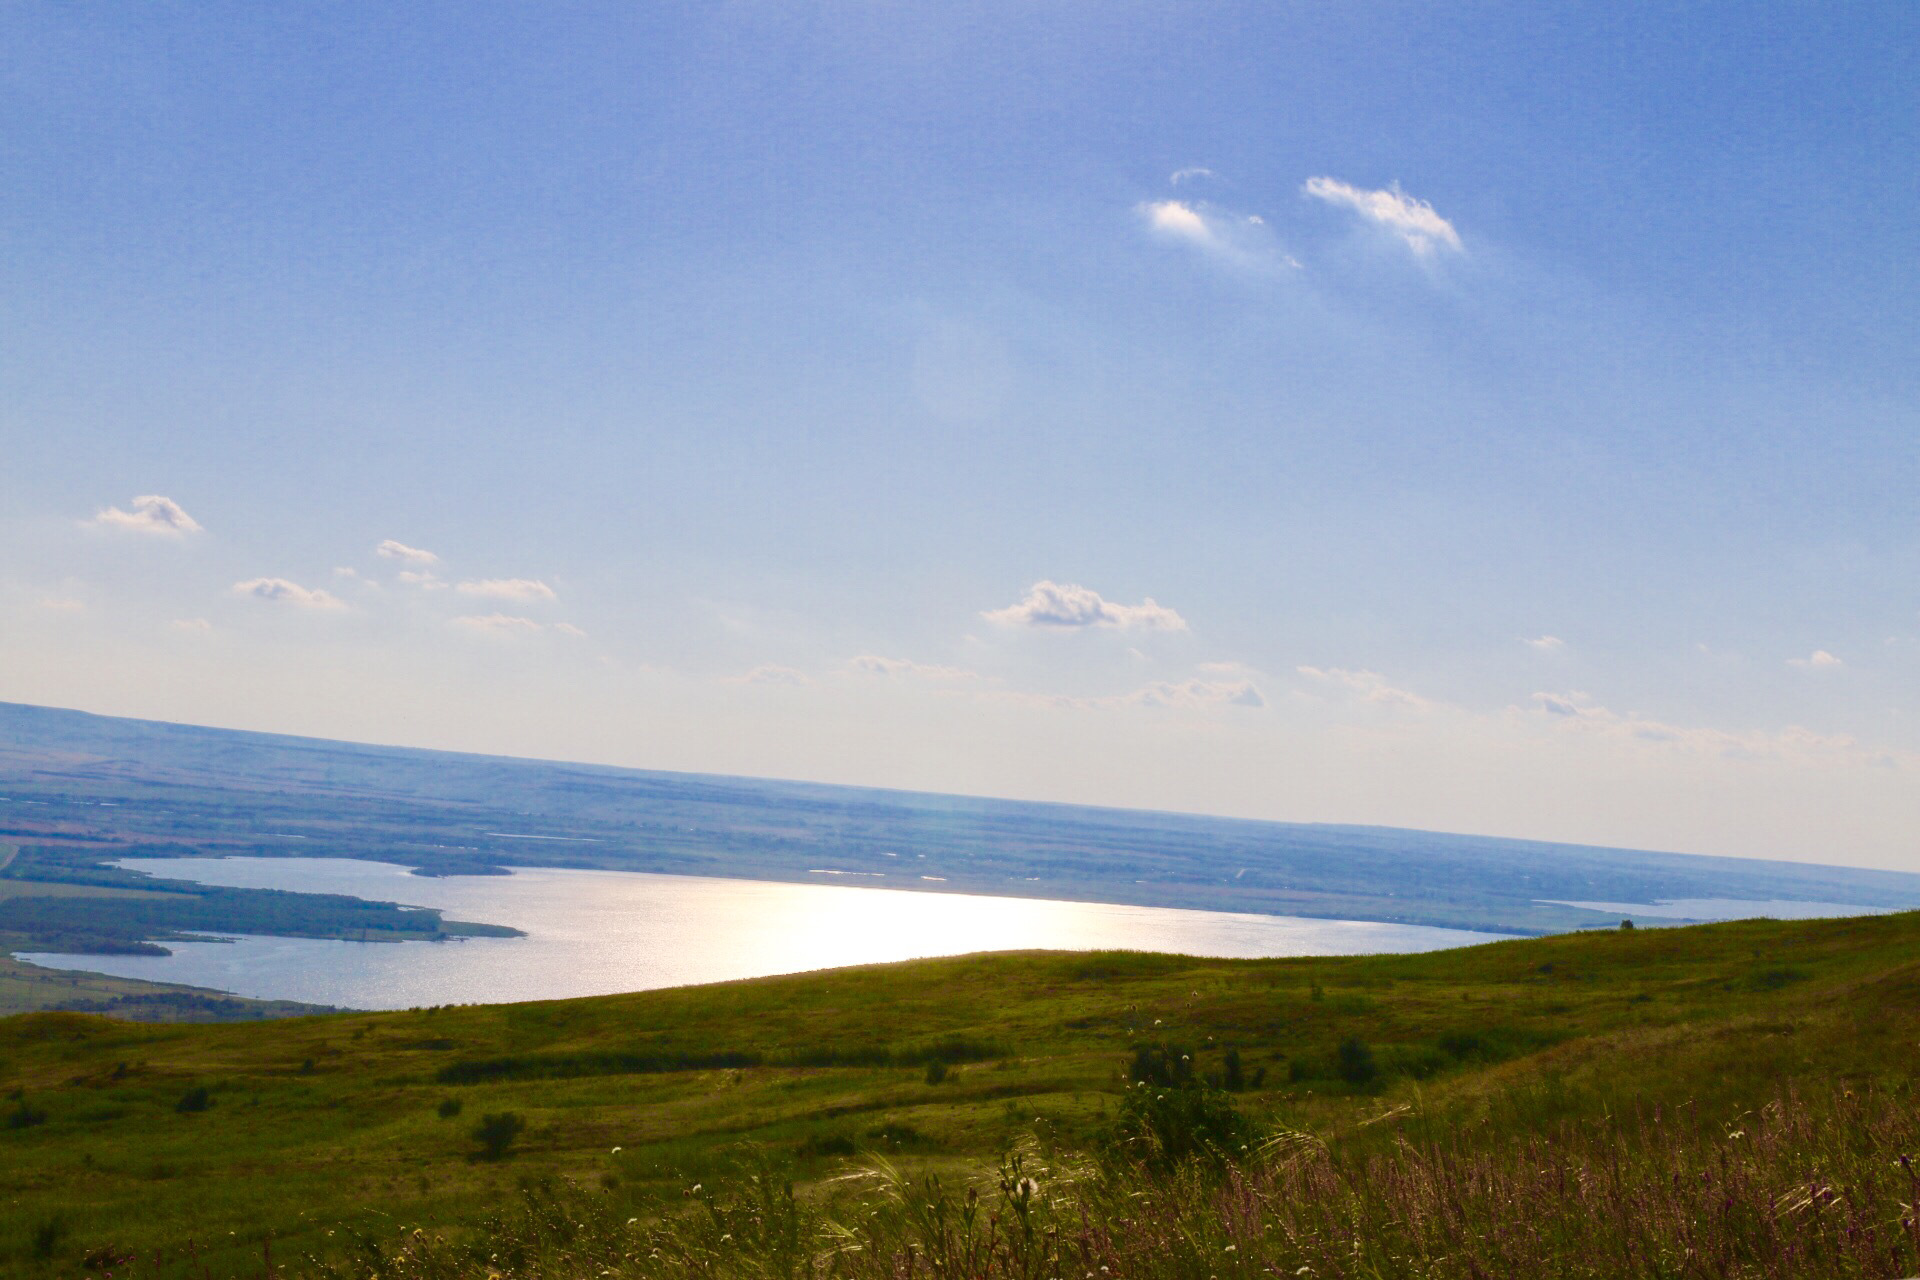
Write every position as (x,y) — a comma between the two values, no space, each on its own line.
(361,1125)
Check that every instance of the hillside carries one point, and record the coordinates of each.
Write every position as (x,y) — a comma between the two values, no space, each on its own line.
(309,1130)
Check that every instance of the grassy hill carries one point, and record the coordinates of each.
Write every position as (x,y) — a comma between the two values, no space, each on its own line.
(317,1132)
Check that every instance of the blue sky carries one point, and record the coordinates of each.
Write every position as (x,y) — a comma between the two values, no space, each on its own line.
(1479,418)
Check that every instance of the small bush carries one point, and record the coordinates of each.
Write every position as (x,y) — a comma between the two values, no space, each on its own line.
(448,1108)
(1355,1061)
(25,1117)
(46,1235)
(936,1071)
(1163,1127)
(496,1133)
(194,1099)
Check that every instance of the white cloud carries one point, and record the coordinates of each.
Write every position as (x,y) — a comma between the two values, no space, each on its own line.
(499,624)
(1818,660)
(1053,604)
(422,579)
(1236,239)
(1188,174)
(1368,686)
(568,629)
(507,589)
(873,664)
(151,514)
(392,550)
(1546,644)
(1414,221)
(281,591)
(195,625)
(772,673)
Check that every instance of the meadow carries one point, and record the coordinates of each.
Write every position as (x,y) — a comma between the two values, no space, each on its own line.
(1716,1100)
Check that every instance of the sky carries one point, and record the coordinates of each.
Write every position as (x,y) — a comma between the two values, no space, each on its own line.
(1490,418)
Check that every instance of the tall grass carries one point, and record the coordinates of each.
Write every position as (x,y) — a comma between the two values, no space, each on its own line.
(1802,1187)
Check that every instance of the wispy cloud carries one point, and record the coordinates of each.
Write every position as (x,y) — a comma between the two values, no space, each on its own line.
(499,624)
(194,626)
(1367,686)
(513,624)
(60,604)
(1069,606)
(1413,221)
(151,514)
(772,673)
(1546,644)
(1818,660)
(1189,174)
(1575,711)
(281,591)
(1196,693)
(392,550)
(1240,240)
(421,579)
(507,589)
(872,664)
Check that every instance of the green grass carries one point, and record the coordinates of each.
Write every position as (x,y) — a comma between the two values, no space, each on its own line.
(334,1124)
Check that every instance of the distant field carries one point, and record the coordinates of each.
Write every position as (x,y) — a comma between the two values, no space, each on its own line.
(326,1124)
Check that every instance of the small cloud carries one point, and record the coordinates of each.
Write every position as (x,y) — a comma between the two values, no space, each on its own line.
(1818,660)
(392,550)
(151,514)
(1369,686)
(873,664)
(1413,221)
(568,629)
(1570,706)
(772,673)
(499,624)
(1197,693)
(281,591)
(61,604)
(1546,644)
(1179,176)
(1236,239)
(1066,605)
(421,579)
(507,589)
(193,625)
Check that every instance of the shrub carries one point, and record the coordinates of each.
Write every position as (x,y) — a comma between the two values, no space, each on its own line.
(1162,1127)
(496,1132)
(25,1117)
(936,1071)
(46,1236)
(194,1099)
(448,1108)
(1355,1061)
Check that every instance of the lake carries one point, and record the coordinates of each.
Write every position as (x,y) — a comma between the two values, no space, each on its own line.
(600,932)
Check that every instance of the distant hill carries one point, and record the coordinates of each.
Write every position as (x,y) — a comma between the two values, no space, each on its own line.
(79,787)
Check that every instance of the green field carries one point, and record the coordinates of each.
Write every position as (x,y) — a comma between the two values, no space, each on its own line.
(338,1124)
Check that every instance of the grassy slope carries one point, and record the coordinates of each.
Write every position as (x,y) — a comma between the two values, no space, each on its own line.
(1716,1015)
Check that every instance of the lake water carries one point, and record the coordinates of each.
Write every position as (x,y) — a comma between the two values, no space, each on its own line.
(599,932)
(1704,909)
